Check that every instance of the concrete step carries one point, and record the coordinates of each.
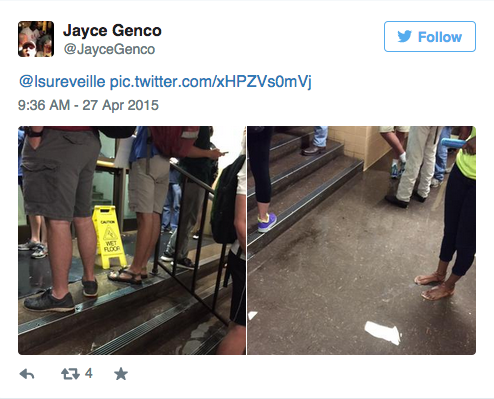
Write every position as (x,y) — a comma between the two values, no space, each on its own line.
(163,326)
(297,200)
(201,336)
(92,317)
(292,168)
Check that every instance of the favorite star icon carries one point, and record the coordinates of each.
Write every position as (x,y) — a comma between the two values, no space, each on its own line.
(121,374)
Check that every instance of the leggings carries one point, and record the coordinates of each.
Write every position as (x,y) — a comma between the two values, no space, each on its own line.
(459,222)
(258,143)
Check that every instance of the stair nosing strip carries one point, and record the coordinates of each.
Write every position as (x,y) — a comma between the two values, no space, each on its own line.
(253,237)
(132,335)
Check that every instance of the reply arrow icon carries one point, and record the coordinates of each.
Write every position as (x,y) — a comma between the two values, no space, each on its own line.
(24,374)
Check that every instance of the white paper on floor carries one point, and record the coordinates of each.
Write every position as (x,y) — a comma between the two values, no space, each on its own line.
(251,315)
(389,334)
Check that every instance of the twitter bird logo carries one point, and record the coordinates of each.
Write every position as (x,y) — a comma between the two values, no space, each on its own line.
(404,36)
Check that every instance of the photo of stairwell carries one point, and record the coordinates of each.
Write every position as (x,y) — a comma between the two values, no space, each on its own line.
(334,272)
(176,309)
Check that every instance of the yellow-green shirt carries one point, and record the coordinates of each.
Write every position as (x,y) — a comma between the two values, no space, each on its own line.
(468,163)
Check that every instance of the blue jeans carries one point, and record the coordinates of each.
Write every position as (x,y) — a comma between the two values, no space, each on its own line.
(320,136)
(442,155)
(172,203)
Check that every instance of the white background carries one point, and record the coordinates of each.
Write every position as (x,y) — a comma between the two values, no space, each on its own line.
(340,44)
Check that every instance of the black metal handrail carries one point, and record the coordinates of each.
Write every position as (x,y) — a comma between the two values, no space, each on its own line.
(173,273)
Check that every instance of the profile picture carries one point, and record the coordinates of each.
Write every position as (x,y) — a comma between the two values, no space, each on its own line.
(35,38)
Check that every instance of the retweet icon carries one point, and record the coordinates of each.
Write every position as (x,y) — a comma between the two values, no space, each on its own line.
(404,36)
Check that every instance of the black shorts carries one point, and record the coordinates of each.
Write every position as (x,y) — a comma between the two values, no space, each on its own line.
(238,311)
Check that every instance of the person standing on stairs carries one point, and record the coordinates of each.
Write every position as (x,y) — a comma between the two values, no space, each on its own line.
(319,143)
(58,164)
(395,137)
(459,221)
(235,341)
(258,145)
(422,145)
(193,196)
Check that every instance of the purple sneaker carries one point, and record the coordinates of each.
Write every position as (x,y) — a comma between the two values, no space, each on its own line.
(263,227)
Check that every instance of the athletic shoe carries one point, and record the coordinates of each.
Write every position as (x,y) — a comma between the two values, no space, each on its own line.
(90,288)
(402,169)
(28,246)
(435,182)
(395,201)
(46,302)
(185,263)
(394,171)
(196,235)
(263,227)
(167,256)
(40,253)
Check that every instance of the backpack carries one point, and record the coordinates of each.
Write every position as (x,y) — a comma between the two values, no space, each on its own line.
(116,132)
(173,141)
(223,211)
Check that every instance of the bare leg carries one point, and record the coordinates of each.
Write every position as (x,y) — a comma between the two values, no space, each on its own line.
(152,243)
(86,241)
(444,290)
(262,210)
(438,276)
(44,232)
(35,223)
(60,243)
(148,231)
(235,341)
(401,138)
(394,142)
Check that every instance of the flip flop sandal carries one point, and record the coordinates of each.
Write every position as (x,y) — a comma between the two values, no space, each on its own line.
(119,279)
(144,276)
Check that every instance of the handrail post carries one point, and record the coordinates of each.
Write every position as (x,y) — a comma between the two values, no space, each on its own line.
(218,276)
(199,241)
(179,227)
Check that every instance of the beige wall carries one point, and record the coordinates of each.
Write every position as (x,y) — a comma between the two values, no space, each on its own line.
(361,142)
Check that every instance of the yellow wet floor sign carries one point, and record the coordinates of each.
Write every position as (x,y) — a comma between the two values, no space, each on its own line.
(108,235)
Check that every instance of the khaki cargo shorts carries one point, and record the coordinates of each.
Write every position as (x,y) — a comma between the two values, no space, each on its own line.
(58,175)
(147,192)
(388,129)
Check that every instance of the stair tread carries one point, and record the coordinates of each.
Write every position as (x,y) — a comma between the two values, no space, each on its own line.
(294,193)
(107,329)
(287,162)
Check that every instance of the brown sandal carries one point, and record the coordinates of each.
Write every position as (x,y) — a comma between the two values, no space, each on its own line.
(116,276)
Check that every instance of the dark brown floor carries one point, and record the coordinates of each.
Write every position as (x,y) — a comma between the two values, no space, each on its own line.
(351,261)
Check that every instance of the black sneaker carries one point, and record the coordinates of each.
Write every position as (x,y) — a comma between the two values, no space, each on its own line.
(395,201)
(185,263)
(46,302)
(167,256)
(90,288)
(418,197)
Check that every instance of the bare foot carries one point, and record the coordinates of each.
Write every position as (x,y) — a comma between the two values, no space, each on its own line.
(439,292)
(426,279)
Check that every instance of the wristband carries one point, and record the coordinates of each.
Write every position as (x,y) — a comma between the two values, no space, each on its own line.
(30,133)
